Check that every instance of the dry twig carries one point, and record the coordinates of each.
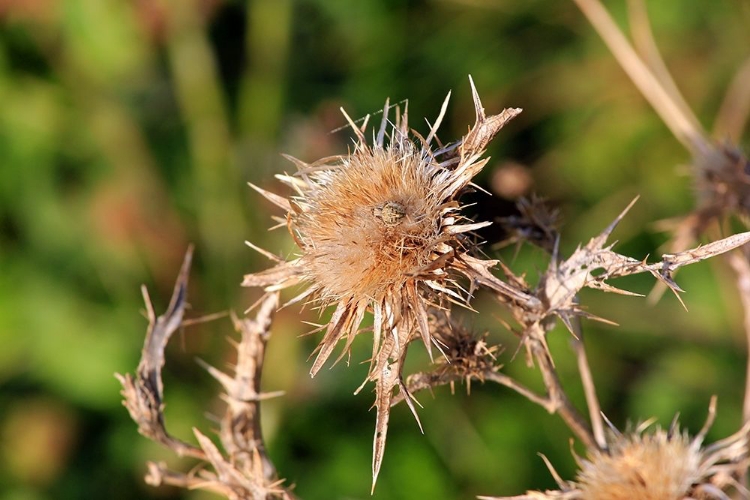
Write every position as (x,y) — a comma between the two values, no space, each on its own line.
(246,472)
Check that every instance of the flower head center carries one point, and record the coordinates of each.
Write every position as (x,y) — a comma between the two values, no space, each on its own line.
(391,213)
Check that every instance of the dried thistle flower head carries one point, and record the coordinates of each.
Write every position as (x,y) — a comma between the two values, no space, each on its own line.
(657,464)
(649,466)
(661,465)
(373,226)
(380,230)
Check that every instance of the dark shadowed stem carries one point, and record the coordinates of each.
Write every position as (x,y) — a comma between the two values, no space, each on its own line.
(560,402)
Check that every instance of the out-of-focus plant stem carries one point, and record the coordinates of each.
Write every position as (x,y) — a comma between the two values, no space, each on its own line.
(683,124)
(735,108)
(199,94)
(267,41)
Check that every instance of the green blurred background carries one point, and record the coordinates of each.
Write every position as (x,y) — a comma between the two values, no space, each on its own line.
(129,128)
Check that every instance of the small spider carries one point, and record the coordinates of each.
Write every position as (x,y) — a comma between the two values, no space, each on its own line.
(392,213)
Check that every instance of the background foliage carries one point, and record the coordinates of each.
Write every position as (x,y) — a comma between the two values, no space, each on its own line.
(129,128)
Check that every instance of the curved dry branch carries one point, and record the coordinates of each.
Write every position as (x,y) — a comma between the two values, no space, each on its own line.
(246,472)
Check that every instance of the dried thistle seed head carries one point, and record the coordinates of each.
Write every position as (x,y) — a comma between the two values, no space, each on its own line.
(380,231)
(653,466)
(656,465)
(371,225)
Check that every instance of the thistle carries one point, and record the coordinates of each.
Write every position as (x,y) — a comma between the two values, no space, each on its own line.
(655,464)
(380,231)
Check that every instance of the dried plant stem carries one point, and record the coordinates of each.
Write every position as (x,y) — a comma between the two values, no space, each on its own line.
(589,388)
(739,263)
(555,401)
(427,380)
(144,394)
(645,44)
(559,401)
(159,474)
(502,379)
(735,108)
(240,430)
(682,123)
(246,472)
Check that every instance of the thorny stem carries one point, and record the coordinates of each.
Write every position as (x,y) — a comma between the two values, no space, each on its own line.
(682,124)
(247,472)
(241,430)
(144,393)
